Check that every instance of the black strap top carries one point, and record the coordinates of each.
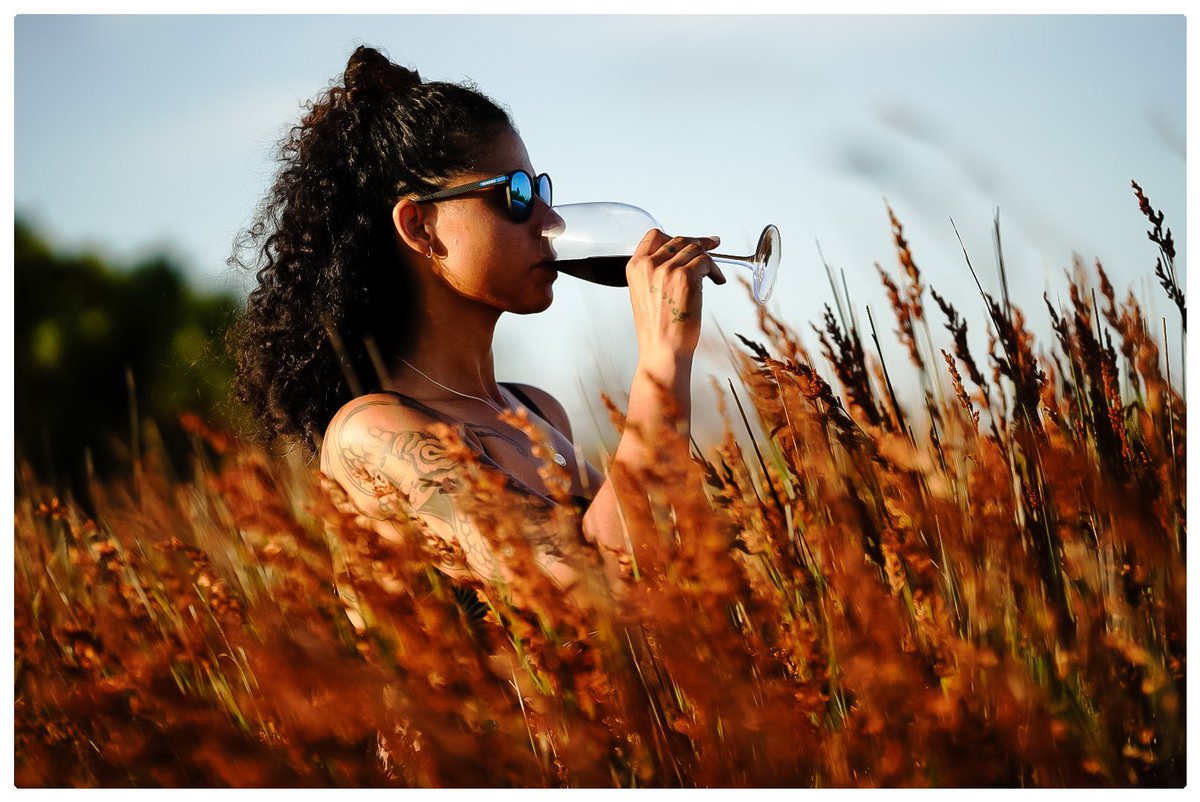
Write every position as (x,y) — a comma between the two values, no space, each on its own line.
(580,503)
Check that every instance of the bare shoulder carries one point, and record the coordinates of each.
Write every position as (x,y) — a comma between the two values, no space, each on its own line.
(364,423)
(394,467)
(371,410)
(375,446)
(551,409)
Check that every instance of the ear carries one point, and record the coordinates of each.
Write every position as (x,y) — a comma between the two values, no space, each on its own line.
(414,223)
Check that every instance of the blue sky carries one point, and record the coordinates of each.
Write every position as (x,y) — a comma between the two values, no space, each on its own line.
(142,134)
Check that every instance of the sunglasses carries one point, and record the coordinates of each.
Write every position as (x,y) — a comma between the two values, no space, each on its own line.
(519,191)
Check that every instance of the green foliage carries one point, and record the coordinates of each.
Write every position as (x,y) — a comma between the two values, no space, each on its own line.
(82,328)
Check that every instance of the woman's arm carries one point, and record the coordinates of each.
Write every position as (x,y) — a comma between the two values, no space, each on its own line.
(665,287)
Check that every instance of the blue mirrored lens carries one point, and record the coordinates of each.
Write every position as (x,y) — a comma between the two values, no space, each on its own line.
(520,190)
(544,189)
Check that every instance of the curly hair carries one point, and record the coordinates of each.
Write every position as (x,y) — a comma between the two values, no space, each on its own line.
(329,278)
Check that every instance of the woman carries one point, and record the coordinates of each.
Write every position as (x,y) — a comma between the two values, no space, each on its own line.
(406,218)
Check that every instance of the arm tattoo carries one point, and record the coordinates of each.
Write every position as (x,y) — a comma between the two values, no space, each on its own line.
(410,473)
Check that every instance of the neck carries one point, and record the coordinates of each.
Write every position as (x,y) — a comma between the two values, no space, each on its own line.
(453,345)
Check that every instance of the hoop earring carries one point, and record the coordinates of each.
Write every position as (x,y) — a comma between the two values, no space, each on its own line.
(430,254)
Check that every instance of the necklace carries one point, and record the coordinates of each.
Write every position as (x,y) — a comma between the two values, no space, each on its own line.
(558,458)
(499,410)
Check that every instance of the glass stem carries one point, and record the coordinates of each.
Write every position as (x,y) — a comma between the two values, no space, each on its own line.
(740,261)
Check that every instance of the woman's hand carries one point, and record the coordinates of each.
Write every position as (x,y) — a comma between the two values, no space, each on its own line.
(665,286)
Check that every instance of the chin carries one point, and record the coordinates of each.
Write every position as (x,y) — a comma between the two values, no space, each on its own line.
(532,297)
(541,305)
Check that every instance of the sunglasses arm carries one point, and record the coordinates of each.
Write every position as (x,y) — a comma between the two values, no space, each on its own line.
(463,189)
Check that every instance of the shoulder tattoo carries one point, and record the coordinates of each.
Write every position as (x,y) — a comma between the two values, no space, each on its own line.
(412,472)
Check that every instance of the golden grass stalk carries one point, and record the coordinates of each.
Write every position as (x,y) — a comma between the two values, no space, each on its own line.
(847,604)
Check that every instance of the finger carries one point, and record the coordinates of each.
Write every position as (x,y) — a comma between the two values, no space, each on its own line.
(700,265)
(713,272)
(678,251)
(707,243)
(669,249)
(651,242)
(685,255)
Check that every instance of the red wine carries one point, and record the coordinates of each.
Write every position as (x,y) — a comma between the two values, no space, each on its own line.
(606,270)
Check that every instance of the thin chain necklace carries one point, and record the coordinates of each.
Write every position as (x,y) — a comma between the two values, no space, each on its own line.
(499,410)
(558,458)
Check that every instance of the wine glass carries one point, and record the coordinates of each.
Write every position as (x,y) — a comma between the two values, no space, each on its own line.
(594,241)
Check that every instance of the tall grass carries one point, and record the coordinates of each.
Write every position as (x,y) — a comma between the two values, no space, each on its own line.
(989,590)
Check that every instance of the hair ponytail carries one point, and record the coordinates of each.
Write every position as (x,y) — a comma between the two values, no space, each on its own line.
(322,245)
(369,74)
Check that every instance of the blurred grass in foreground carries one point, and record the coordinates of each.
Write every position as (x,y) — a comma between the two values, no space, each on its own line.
(987,591)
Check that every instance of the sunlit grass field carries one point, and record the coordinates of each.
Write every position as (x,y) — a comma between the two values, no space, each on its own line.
(987,590)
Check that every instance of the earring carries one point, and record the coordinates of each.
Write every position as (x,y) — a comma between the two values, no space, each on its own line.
(430,254)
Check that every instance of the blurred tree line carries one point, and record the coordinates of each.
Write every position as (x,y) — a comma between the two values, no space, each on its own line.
(107,357)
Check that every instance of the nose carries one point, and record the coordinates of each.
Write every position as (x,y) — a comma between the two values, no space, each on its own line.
(552,223)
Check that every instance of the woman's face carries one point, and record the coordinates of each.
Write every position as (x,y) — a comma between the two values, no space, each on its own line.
(482,253)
